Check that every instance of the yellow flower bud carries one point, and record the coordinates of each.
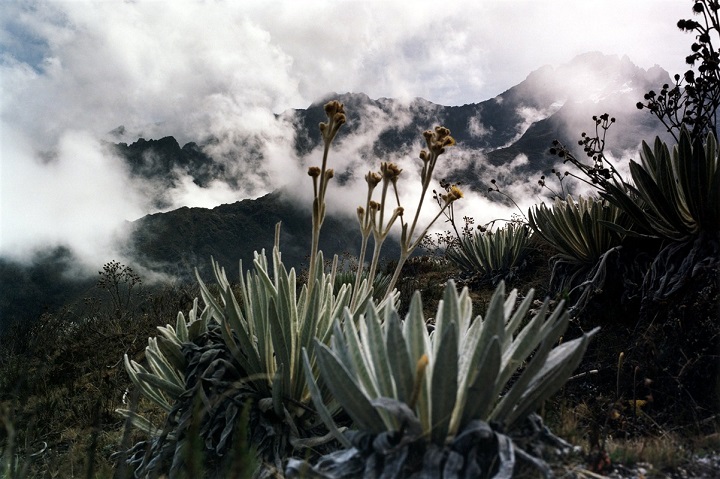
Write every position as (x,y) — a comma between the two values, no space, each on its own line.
(439,139)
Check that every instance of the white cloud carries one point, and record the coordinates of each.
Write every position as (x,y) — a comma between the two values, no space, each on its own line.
(476,127)
(73,70)
(73,195)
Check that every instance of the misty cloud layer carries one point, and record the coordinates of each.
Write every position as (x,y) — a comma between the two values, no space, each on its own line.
(221,74)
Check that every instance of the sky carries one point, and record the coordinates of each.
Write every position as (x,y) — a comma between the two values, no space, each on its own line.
(71,71)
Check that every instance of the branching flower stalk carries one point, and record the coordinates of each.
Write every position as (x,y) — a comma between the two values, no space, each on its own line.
(496,189)
(372,220)
(436,141)
(366,227)
(450,212)
(372,217)
(601,172)
(380,229)
(693,99)
(335,112)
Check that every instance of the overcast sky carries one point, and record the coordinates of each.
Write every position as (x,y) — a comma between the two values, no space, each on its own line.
(72,71)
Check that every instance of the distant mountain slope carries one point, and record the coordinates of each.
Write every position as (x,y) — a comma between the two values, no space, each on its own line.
(178,241)
(163,164)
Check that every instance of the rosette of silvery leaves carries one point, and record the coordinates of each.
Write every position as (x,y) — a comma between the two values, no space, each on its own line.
(457,402)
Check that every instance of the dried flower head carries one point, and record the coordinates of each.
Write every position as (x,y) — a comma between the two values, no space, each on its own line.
(314,171)
(332,108)
(390,171)
(361,214)
(455,192)
(373,179)
(439,139)
(335,112)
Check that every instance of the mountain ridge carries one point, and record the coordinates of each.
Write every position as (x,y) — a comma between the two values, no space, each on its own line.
(491,135)
(490,130)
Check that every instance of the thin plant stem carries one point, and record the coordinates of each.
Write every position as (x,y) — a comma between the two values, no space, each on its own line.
(408,248)
(318,217)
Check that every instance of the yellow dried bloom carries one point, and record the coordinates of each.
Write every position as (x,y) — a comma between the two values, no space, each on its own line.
(456,192)
(448,141)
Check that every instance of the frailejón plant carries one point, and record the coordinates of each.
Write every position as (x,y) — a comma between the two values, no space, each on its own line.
(263,333)
(492,255)
(675,197)
(405,388)
(584,232)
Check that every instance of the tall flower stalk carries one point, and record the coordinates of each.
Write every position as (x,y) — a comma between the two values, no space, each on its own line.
(372,218)
(436,141)
(335,112)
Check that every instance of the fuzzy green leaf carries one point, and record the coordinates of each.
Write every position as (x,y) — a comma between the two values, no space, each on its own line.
(444,384)
(346,391)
